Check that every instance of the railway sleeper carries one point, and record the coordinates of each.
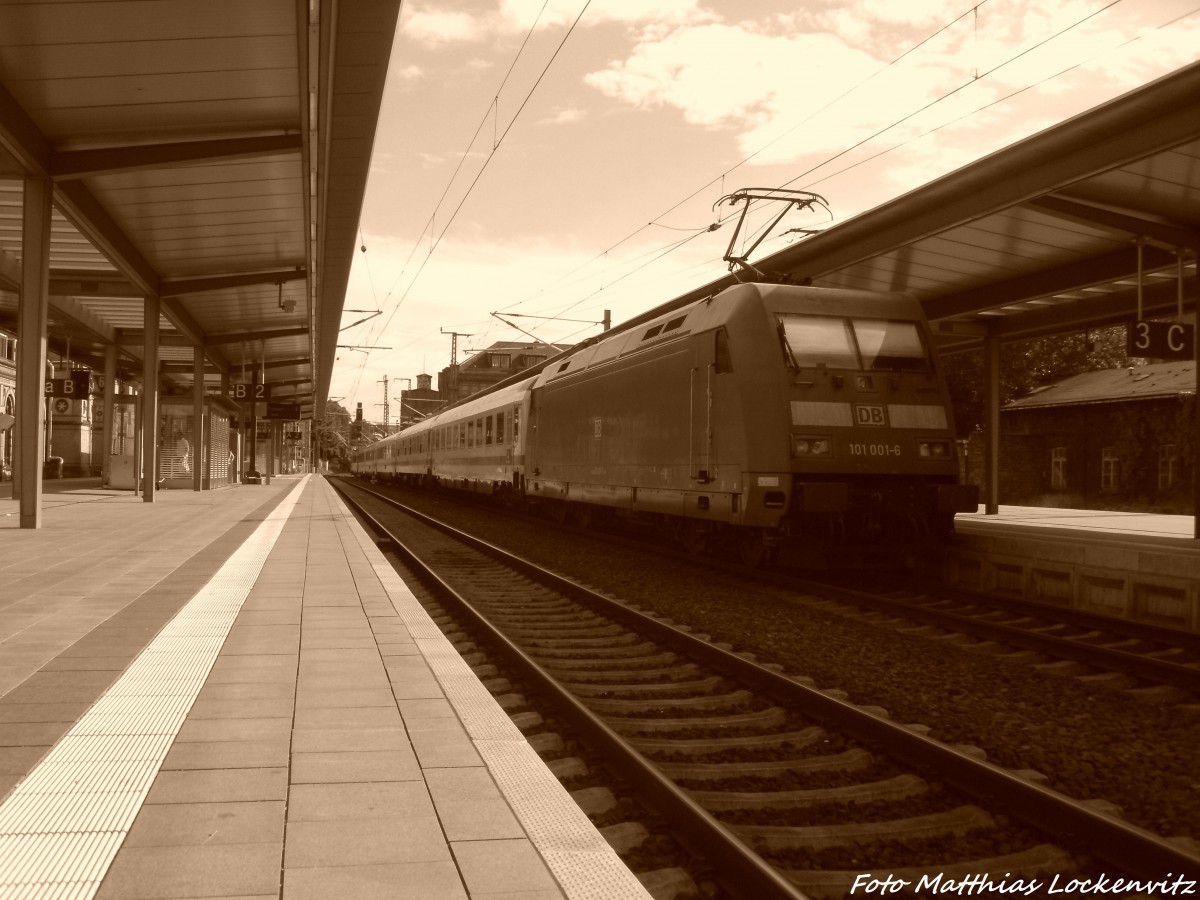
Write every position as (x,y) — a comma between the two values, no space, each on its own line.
(599,633)
(853,760)
(1041,860)
(900,787)
(774,717)
(618,678)
(956,822)
(704,746)
(598,654)
(645,690)
(578,664)
(734,700)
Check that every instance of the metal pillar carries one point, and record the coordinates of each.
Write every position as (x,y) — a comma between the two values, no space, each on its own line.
(150,400)
(991,468)
(199,457)
(110,400)
(31,347)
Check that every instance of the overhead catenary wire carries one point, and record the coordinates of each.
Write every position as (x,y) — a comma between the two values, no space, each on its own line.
(491,155)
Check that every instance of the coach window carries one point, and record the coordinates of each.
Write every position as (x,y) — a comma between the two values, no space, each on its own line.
(500,427)
(487,430)
(516,422)
(479,432)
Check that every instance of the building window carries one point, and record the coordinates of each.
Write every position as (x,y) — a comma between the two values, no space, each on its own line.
(1110,467)
(1168,462)
(1058,469)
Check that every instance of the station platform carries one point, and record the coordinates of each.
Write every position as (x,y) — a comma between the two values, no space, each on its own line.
(232,694)
(1127,565)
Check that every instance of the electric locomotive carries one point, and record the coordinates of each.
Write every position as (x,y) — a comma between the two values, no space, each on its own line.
(797,422)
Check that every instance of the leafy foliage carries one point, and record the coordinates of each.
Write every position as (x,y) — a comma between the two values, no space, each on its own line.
(1026,366)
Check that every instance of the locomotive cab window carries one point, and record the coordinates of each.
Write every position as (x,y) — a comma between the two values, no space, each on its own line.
(812,341)
(890,345)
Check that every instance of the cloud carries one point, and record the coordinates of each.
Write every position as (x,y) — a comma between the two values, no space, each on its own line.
(443,27)
(440,26)
(565,116)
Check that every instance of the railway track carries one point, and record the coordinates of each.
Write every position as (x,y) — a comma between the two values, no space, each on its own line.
(1156,664)
(780,786)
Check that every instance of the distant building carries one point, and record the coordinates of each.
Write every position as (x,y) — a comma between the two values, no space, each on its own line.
(1117,435)
(493,365)
(418,402)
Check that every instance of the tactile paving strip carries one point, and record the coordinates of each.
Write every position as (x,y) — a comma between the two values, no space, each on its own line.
(62,825)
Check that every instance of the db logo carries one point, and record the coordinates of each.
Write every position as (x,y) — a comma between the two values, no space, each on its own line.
(869,415)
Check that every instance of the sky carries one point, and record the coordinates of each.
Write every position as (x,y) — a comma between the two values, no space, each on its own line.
(548,160)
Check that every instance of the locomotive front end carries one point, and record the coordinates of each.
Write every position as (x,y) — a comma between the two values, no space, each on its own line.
(872,450)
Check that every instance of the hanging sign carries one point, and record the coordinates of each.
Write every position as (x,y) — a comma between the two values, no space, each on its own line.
(1160,340)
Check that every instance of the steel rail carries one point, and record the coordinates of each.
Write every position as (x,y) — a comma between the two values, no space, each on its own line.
(1138,665)
(1134,850)
(740,870)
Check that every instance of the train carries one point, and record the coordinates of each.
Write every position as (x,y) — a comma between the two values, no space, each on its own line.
(788,422)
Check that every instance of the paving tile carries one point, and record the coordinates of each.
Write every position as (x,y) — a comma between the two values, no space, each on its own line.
(398,881)
(324,740)
(354,717)
(310,698)
(252,690)
(32,734)
(364,842)
(442,743)
(213,870)
(242,709)
(255,754)
(234,730)
(498,867)
(425,709)
(470,805)
(345,766)
(180,824)
(19,760)
(219,786)
(330,802)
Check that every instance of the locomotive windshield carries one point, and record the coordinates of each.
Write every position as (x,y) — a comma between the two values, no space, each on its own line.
(891,345)
(844,343)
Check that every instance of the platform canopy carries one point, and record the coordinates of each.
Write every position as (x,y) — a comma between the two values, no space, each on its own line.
(211,153)
(1041,237)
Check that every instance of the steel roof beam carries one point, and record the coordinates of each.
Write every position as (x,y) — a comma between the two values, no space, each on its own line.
(265,335)
(179,287)
(1117,221)
(1086,273)
(70,164)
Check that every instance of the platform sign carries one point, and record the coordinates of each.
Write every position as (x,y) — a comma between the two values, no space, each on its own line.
(1160,340)
(76,387)
(288,412)
(243,393)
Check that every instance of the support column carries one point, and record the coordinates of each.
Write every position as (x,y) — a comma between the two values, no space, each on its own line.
(150,400)
(199,457)
(991,468)
(31,347)
(110,399)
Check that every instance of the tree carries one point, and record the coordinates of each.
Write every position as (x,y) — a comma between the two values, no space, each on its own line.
(333,437)
(1026,366)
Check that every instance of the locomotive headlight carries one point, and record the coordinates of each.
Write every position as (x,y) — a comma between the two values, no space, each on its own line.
(934,449)
(811,446)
